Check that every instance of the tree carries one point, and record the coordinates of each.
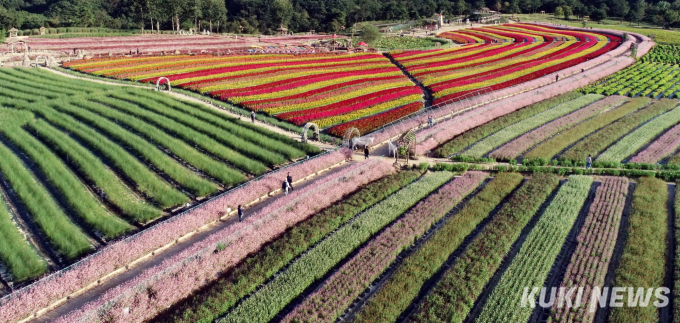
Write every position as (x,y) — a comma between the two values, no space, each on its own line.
(559,12)
(598,15)
(567,12)
(370,34)
(639,10)
(282,12)
(621,8)
(461,7)
(670,17)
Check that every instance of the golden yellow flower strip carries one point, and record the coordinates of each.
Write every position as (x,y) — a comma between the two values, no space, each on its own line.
(434,78)
(448,57)
(519,30)
(518,73)
(437,52)
(476,61)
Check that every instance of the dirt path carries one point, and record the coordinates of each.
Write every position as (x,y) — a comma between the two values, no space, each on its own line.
(92,294)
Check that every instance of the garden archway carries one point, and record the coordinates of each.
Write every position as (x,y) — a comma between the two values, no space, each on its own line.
(167,81)
(306,129)
(37,61)
(348,136)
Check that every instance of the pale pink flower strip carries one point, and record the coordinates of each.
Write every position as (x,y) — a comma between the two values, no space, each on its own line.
(590,262)
(42,293)
(184,273)
(660,148)
(529,139)
(341,289)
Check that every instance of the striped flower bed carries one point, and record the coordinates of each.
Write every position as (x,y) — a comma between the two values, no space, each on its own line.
(660,148)
(363,90)
(500,57)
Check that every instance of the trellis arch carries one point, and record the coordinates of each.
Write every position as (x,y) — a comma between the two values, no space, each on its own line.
(306,129)
(158,83)
(348,136)
(37,60)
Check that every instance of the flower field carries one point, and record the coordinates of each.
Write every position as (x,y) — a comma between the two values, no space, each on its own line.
(501,57)
(645,78)
(333,91)
(83,164)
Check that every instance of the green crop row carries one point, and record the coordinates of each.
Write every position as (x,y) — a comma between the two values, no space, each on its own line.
(511,132)
(16,254)
(470,137)
(533,262)
(599,141)
(186,133)
(629,144)
(556,144)
(264,304)
(66,237)
(86,112)
(258,135)
(406,282)
(94,170)
(451,300)
(643,262)
(74,192)
(254,271)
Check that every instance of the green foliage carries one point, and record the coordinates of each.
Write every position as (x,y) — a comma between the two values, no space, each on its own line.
(469,137)
(66,237)
(405,284)
(513,131)
(533,262)
(16,254)
(554,145)
(263,305)
(370,34)
(645,244)
(255,270)
(452,301)
(597,142)
(406,42)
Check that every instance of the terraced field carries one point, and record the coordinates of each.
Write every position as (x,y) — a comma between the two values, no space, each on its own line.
(85,163)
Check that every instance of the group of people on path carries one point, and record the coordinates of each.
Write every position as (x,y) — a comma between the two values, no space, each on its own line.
(286,186)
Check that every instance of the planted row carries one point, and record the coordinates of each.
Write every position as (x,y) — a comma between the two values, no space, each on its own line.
(407,280)
(214,301)
(452,301)
(518,146)
(346,284)
(643,262)
(590,262)
(275,295)
(660,148)
(489,143)
(638,138)
(469,137)
(599,141)
(533,262)
(553,146)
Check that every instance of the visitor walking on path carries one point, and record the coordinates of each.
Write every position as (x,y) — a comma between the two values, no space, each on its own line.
(290,181)
(285,186)
(240,213)
(366,152)
(252,116)
(589,162)
(557,77)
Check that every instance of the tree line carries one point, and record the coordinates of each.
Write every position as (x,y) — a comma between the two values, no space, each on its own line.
(266,16)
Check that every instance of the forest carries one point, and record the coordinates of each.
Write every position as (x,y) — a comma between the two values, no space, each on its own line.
(265,16)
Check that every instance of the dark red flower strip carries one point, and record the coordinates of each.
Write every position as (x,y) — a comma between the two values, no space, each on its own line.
(357,106)
(368,124)
(483,37)
(532,76)
(338,105)
(461,39)
(322,90)
(475,56)
(546,37)
(480,77)
(298,81)
(511,56)
(579,35)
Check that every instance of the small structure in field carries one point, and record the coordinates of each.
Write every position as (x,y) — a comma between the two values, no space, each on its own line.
(282,31)
(13,32)
(43,30)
